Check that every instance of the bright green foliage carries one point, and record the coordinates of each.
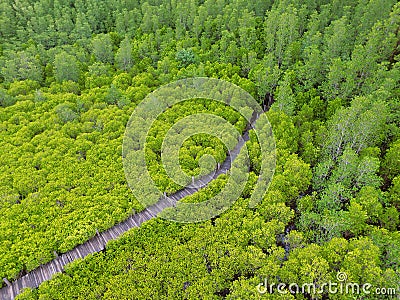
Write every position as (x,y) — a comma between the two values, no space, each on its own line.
(195,147)
(67,177)
(391,163)
(71,73)
(394,192)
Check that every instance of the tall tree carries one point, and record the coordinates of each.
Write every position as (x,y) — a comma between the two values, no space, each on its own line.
(82,28)
(338,40)
(66,67)
(285,99)
(103,48)
(123,57)
(358,126)
(22,65)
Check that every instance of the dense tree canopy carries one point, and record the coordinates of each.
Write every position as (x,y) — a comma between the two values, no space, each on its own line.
(72,72)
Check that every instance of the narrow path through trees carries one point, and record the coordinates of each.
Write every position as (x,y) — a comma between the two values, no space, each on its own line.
(98,243)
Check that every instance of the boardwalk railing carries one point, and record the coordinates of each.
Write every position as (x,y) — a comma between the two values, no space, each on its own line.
(98,243)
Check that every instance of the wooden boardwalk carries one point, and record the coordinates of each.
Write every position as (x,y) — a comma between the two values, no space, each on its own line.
(98,243)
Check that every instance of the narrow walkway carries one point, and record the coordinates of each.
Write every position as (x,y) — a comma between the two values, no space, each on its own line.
(98,243)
